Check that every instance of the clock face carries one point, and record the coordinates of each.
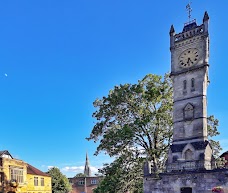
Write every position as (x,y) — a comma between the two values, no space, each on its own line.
(189,57)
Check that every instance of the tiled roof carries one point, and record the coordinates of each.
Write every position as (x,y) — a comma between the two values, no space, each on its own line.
(200,145)
(225,153)
(197,145)
(190,26)
(34,171)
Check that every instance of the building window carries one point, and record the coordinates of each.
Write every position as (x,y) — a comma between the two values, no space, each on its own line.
(42,181)
(35,181)
(81,182)
(185,84)
(193,84)
(201,156)
(188,155)
(185,87)
(175,158)
(1,177)
(16,174)
(94,181)
(188,112)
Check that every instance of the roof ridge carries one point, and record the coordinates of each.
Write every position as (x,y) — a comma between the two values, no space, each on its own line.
(33,170)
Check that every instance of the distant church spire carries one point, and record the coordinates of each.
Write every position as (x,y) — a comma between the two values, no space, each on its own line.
(87,170)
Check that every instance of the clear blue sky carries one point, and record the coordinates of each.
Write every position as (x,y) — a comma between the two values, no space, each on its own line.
(60,55)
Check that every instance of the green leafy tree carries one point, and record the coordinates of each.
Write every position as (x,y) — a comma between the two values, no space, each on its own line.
(60,183)
(137,117)
(133,122)
(212,129)
(123,175)
(80,175)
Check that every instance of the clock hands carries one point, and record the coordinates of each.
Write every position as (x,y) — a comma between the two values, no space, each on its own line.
(189,60)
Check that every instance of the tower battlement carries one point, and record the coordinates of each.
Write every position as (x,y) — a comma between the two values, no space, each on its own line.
(189,31)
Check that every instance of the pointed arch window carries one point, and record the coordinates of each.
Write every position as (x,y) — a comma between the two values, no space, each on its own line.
(188,112)
(192,84)
(175,158)
(188,155)
(185,84)
(185,87)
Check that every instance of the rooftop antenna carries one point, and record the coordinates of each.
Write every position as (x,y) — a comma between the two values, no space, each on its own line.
(189,10)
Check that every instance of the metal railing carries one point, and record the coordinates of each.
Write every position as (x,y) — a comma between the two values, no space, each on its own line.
(192,165)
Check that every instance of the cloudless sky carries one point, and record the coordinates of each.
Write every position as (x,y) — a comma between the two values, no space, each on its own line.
(60,55)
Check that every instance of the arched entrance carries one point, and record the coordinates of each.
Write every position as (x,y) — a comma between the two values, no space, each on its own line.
(186,190)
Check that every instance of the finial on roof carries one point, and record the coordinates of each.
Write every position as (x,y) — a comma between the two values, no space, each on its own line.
(205,17)
(172,30)
(189,10)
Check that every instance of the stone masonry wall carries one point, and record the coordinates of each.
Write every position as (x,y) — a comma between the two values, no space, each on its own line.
(200,182)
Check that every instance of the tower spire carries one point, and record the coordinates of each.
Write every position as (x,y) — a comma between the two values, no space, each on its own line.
(87,170)
(172,30)
(205,17)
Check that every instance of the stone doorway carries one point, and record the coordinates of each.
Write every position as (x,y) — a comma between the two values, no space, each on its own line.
(186,190)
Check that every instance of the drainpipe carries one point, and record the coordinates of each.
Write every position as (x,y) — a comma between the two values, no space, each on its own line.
(85,187)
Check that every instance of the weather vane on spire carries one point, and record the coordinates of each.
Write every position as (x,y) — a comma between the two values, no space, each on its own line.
(189,10)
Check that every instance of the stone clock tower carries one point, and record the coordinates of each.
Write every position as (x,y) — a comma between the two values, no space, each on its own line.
(190,167)
(189,72)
